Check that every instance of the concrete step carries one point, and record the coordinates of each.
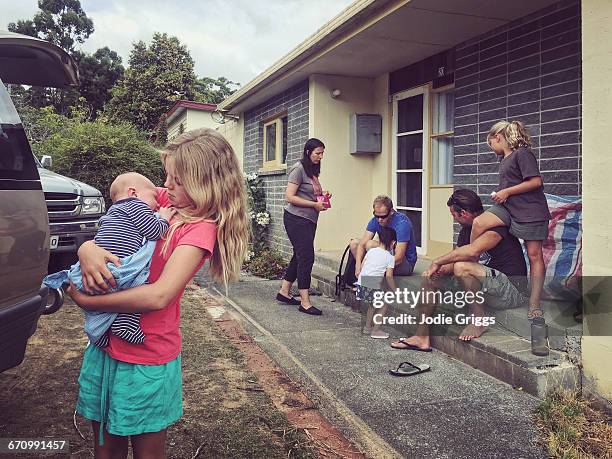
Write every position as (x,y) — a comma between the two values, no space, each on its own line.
(563,330)
(329,260)
(501,352)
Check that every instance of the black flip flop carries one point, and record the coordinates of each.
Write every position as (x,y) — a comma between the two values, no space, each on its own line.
(408,369)
(410,347)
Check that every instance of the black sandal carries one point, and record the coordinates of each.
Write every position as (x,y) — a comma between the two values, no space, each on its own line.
(408,369)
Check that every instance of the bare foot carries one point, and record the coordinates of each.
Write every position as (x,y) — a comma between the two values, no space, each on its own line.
(421,342)
(534,311)
(472,332)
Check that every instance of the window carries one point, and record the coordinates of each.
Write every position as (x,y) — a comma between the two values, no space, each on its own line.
(16,159)
(275,143)
(442,127)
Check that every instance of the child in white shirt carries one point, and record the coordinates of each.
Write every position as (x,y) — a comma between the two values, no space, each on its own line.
(377,266)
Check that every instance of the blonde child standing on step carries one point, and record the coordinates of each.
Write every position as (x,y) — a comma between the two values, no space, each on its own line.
(520,203)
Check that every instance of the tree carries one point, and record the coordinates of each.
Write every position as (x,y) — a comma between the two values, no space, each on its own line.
(98,72)
(95,153)
(214,91)
(62,22)
(157,76)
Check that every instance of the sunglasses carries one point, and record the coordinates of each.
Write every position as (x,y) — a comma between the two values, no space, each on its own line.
(382,217)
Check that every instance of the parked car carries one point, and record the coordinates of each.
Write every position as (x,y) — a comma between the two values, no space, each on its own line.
(74,209)
(24,225)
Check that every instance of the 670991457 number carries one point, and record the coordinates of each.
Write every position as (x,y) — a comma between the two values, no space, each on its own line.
(33,445)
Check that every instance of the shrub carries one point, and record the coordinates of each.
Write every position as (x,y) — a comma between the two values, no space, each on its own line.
(260,217)
(262,261)
(95,153)
(268,264)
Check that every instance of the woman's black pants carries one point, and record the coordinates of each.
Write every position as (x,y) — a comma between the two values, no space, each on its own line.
(301,232)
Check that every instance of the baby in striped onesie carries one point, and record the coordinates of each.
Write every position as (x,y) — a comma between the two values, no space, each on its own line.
(128,230)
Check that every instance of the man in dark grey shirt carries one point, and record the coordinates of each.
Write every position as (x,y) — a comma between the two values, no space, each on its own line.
(501,272)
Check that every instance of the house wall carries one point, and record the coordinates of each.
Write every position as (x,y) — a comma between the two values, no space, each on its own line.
(348,177)
(295,102)
(197,119)
(233,131)
(173,127)
(529,70)
(596,166)
(382,164)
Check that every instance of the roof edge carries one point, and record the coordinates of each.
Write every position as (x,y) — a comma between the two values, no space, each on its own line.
(314,43)
(176,109)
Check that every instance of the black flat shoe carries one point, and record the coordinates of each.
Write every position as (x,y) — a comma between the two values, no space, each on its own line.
(311,310)
(284,299)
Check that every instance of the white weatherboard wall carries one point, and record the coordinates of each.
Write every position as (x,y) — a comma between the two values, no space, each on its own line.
(233,131)
(174,126)
(197,119)
(596,166)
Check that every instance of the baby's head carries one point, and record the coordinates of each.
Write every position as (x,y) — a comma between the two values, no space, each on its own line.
(134,185)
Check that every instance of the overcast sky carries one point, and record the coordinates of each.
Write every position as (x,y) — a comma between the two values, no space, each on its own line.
(237,39)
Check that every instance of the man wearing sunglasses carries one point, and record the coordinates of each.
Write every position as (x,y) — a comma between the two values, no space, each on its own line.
(384,215)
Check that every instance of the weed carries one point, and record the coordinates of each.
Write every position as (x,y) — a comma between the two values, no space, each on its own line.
(572,427)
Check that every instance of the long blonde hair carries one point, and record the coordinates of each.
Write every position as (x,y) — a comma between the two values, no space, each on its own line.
(208,169)
(513,131)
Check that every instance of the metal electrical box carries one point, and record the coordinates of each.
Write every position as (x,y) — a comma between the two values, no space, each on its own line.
(365,134)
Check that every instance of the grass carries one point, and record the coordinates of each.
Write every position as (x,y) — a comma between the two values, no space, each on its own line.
(573,428)
(226,413)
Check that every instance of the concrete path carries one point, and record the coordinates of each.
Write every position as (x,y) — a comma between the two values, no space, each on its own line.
(453,411)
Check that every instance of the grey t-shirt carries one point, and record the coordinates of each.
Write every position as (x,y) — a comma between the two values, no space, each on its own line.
(305,190)
(515,169)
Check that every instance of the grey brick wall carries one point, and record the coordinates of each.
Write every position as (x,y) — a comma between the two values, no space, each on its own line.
(295,102)
(529,70)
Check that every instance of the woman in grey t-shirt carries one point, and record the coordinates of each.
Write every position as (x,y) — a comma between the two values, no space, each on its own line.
(300,219)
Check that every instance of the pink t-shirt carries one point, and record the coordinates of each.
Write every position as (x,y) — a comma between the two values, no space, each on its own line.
(162,328)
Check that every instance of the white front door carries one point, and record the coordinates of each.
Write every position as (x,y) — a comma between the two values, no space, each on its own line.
(410,158)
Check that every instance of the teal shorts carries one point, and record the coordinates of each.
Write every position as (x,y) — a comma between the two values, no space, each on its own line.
(129,399)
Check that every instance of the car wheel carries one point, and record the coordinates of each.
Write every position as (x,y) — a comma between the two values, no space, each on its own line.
(54,301)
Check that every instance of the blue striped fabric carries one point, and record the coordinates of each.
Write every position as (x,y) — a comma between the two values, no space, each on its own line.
(134,271)
(126,225)
(128,230)
(562,249)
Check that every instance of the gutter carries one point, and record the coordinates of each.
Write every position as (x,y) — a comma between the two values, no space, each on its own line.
(334,29)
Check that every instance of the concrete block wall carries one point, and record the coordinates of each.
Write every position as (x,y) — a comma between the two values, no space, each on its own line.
(295,102)
(529,70)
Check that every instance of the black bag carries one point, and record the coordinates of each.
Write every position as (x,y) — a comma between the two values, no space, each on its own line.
(347,278)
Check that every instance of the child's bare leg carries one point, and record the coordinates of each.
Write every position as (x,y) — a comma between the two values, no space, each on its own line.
(370,318)
(380,313)
(376,322)
(537,273)
(483,222)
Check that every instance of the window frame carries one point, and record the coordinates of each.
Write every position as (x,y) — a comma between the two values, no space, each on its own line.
(434,135)
(276,163)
